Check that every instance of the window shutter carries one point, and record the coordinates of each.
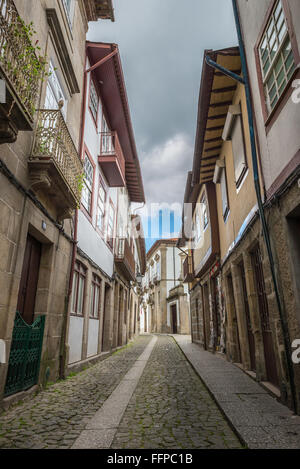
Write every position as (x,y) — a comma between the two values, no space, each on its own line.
(238,149)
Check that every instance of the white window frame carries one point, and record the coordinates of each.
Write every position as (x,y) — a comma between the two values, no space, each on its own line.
(88,184)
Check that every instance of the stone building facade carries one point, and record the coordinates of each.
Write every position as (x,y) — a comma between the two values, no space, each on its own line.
(41,176)
(233,298)
(110,249)
(165,304)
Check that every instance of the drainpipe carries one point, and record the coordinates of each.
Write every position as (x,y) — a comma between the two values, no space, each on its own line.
(245,81)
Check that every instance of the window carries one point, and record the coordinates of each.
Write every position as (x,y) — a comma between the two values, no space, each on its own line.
(101,206)
(197,227)
(94,100)
(87,189)
(68,6)
(78,289)
(238,149)
(204,212)
(107,145)
(111,223)
(95,296)
(225,205)
(276,56)
(54,92)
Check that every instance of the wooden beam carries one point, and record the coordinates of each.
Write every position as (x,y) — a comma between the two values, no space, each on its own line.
(221,104)
(211,129)
(213,148)
(226,89)
(218,116)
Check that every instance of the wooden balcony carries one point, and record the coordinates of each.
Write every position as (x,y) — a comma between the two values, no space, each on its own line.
(54,165)
(188,269)
(124,259)
(112,160)
(19,68)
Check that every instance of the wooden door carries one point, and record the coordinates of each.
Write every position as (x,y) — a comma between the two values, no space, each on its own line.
(174,318)
(270,358)
(29,279)
(248,320)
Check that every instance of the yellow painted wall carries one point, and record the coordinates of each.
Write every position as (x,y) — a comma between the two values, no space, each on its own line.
(205,241)
(241,200)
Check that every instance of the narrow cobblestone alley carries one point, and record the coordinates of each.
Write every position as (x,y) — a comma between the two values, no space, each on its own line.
(170,408)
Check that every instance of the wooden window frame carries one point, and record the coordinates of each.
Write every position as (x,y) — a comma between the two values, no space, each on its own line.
(81,271)
(96,282)
(88,214)
(271,117)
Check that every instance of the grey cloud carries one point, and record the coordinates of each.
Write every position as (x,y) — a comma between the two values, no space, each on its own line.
(161,44)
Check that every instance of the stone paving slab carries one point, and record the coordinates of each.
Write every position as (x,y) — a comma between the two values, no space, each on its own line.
(55,418)
(171,408)
(260,420)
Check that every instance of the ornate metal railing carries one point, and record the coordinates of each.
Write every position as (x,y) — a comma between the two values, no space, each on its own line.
(25,355)
(110,146)
(18,61)
(53,141)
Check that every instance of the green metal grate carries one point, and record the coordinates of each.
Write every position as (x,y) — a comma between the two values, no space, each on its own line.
(25,355)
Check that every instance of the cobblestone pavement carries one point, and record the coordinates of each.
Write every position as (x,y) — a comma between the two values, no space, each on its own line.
(171,408)
(55,417)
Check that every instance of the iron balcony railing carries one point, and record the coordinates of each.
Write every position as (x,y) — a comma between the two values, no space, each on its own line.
(18,61)
(54,142)
(110,146)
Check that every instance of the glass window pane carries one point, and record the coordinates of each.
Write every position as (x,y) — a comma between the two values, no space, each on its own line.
(280,78)
(278,65)
(270,28)
(266,67)
(74,291)
(278,10)
(282,32)
(96,304)
(80,295)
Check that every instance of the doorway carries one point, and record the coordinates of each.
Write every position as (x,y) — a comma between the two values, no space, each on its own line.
(248,320)
(28,332)
(174,318)
(29,279)
(270,358)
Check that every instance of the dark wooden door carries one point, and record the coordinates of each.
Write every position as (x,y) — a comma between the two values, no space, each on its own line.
(270,358)
(174,318)
(216,314)
(29,279)
(248,320)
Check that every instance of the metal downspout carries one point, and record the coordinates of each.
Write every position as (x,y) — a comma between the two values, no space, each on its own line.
(286,337)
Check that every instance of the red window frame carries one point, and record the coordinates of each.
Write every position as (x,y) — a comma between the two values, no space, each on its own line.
(95,286)
(80,272)
(271,117)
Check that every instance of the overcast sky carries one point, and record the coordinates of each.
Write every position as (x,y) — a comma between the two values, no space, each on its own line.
(161,43)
